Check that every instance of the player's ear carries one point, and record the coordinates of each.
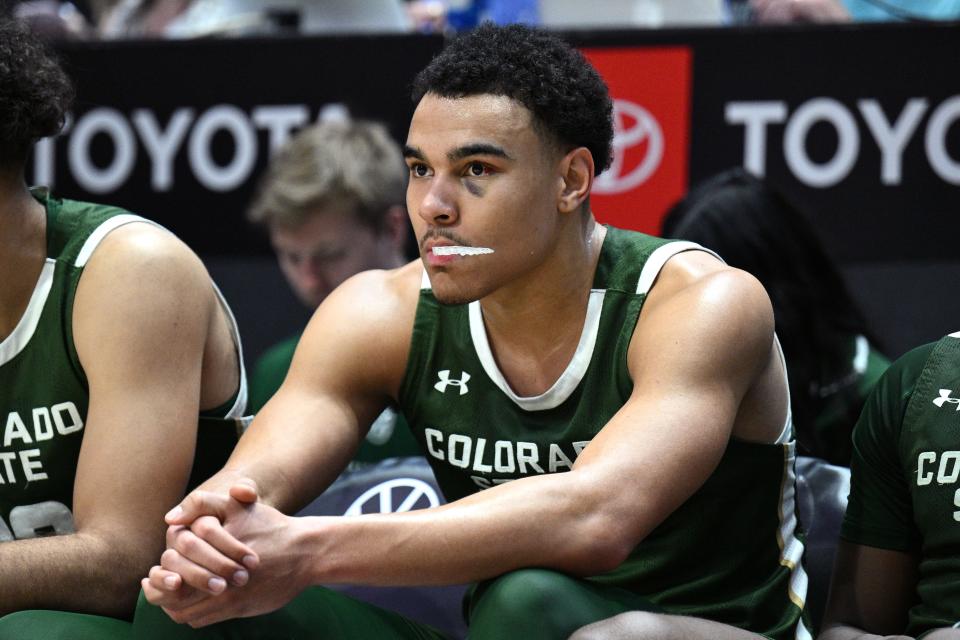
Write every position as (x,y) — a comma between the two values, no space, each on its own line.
(576,179)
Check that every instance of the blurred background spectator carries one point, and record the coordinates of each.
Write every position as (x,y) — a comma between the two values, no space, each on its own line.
(333,202)
(832,358)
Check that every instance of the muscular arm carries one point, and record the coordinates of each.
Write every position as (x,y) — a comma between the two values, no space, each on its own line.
(871,592)
(702,343)
(140,321)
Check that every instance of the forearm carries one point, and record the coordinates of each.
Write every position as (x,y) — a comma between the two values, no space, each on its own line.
(545,521)
(76,572)
(291,462)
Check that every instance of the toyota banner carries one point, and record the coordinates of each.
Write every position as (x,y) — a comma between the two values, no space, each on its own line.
(858,125)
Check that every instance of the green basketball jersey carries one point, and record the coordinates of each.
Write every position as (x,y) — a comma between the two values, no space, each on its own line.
(43,388)
(905,480)
(730,553)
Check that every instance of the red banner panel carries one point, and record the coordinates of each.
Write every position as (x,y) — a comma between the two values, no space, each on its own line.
(650,88)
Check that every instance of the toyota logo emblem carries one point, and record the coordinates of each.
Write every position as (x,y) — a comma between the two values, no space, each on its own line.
(410,492)
(645,128)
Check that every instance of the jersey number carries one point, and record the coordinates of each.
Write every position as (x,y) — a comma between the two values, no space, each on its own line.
(48,518)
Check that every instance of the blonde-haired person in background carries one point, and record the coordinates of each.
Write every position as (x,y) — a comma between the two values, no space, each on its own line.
(332,200)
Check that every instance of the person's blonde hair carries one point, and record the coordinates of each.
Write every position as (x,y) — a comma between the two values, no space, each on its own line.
(352,165)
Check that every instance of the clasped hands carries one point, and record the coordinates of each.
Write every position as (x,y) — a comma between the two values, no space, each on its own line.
(206,574)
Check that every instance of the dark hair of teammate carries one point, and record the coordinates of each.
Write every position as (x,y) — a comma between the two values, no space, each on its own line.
(565,94)
(754,228)
(35,93)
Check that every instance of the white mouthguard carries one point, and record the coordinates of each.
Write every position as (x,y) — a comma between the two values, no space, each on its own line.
(461,251)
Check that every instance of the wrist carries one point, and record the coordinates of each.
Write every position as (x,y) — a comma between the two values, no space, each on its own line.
(313,544)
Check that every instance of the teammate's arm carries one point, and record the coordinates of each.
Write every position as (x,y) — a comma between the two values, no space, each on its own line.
(871,592)
(702,342)
(140,321)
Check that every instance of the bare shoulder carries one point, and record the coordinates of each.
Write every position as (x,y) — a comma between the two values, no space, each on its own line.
(697,299)
(146,255)
(363,329)
(141,281)
(703,285)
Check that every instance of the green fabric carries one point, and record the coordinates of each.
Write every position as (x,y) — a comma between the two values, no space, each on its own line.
(389,437)
(842,402)
(41,624)
(726,554)
(905,476)
(314,614)
(532,604)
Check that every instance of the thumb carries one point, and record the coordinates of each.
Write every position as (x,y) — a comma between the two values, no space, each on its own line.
(245,490)
(195,505)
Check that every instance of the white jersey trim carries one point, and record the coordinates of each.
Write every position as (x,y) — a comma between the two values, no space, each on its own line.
(659,257)
(568,380)
(238,410)
(791,548)
(95,238)
(27,325)
(954,335)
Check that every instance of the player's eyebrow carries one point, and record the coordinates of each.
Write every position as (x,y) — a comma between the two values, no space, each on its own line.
(477,149)
(413,152)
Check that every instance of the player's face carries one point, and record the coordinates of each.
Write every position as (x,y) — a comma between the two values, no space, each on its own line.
(480,177)
(329,247)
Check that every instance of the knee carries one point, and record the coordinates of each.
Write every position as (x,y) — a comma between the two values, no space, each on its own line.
(527,603)
(635,625)
(519,594)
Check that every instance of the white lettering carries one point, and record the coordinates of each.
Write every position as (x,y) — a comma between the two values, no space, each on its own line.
(29,465)
(892,140)
(42,425)
(794,142)
(527,454)
(76,422)
(755,116)
(558,458)
(111,123)
(232,120)
(503,457)
(8,457)
(15,429)
(433,437)
(162,146)
(956,503)
(280,121)
(936,140)
(948,474)
(478,457)
(579,446)
(462,459)
(924,478)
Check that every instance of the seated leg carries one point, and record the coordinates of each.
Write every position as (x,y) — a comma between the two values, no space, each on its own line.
(537,604)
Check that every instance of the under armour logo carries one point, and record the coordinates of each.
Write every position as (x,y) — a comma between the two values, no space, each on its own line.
(446,380)
(945,397)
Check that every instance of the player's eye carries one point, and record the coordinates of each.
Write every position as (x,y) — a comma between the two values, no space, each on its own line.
(477,169)
(419,170)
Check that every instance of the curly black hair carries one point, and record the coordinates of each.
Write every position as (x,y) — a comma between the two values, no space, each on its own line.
(35,93)
(565,94)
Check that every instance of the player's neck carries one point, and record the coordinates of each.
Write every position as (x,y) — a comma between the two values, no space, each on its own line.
(534,327)
(22,250)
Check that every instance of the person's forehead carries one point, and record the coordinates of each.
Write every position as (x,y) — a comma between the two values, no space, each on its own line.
(484,116)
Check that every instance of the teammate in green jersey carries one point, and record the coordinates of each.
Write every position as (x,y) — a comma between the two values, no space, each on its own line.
(332,201)
(897,569)
(112,342)
(607,412)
